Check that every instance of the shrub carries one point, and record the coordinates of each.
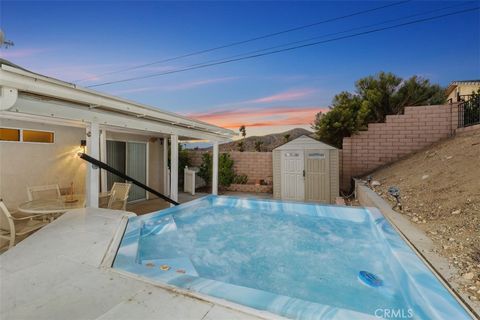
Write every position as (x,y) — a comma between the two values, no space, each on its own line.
(205,170)
(183,161)
(226,174)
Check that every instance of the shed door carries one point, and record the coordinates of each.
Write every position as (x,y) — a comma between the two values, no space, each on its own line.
(293,184)
(317,176)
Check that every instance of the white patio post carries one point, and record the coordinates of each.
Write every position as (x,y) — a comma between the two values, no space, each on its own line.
(103,158)
(165,167)
(93,173)
(174,167)
(215,168)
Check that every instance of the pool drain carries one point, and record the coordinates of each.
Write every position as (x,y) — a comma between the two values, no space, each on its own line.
(370,279)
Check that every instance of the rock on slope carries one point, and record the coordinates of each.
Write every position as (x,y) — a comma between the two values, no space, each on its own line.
(440,191)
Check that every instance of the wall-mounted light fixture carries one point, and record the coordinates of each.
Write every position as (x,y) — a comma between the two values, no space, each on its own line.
(83,145)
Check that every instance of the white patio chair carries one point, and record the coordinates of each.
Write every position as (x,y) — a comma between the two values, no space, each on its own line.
(51,191)
(17,225)
(119,196)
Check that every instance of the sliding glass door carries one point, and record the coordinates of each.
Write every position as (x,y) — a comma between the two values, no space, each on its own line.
(137,168)
(129,158)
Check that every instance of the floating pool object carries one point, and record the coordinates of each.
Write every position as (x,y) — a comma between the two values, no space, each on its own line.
(181,271)
(165,267)
(370,279)
(150,264)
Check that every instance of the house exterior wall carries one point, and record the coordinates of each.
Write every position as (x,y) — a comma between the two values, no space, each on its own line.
(32,164)
(463,89)
(397,137)
(25,164)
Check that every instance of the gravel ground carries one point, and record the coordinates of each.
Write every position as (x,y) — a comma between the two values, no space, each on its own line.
(440,192)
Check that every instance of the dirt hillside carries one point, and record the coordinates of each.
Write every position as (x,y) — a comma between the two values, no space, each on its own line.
(440,191)
(269,141)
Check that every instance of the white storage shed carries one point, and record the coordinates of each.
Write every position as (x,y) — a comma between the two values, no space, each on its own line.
(306,169)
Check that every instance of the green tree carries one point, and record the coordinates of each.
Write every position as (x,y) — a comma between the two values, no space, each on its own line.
(205,170)
(286,137)
(241,146)
(375,98)
(258,145)
(226,173)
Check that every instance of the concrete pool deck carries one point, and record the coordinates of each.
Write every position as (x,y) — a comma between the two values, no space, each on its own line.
(58,273)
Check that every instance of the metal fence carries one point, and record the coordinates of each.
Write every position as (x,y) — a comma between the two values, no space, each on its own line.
(469,111)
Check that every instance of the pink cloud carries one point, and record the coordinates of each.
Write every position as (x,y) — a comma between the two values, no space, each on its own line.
(285,96)
(260,117)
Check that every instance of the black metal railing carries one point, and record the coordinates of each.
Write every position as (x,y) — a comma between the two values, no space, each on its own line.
(469,111)
(122,175)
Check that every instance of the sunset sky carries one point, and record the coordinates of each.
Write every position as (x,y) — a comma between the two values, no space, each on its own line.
(90,41)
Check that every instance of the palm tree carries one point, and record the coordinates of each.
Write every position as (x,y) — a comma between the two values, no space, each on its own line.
(243,131)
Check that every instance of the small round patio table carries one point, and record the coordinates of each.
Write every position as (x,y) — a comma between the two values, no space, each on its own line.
(49,207)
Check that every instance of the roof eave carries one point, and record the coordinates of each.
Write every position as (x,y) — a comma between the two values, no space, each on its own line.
(23,80)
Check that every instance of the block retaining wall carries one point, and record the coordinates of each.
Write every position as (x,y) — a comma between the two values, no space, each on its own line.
(397,137)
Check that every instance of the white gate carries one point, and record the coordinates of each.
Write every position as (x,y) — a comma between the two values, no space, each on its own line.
(293,181)
(189,181)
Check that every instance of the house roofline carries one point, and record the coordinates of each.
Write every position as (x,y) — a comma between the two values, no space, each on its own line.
(455,84)
(22,80)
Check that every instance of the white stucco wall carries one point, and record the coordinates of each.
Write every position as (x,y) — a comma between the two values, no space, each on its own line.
(31,164)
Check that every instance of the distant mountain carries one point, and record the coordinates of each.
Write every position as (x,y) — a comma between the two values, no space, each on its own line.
(270,141)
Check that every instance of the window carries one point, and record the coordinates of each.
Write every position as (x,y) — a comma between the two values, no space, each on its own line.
(316,155)
(7,134)
(37,136)
(26,135)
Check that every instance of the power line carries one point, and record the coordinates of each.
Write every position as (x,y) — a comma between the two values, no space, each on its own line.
(269,35)
(326,35)
(284,50)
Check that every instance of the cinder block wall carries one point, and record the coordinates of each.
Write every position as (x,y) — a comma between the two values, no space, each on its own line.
(256,165)
(399,136)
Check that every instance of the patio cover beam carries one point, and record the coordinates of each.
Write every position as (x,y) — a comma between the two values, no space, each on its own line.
(54,109)
(25,81)
(174,168)
(215,169)
(93,172)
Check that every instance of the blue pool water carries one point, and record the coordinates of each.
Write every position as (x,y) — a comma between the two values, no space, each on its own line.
(298,260)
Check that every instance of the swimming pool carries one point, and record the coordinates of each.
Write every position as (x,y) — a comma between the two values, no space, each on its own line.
(297,260)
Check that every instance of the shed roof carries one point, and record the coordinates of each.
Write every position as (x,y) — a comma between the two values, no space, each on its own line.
(305,143)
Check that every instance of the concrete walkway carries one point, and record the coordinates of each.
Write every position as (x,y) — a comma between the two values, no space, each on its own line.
(57,273)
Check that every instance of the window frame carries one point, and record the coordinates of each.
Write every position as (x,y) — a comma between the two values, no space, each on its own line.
(29,129)
(20,134)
